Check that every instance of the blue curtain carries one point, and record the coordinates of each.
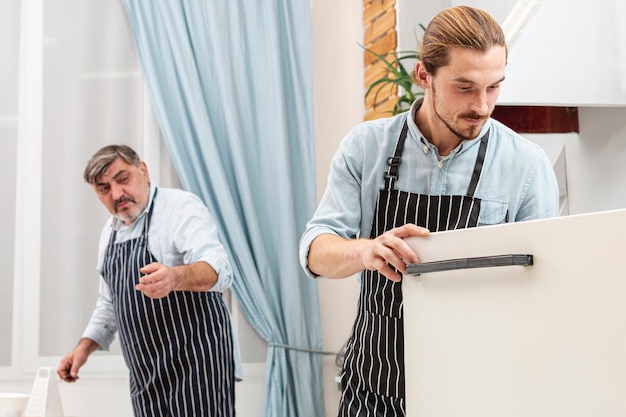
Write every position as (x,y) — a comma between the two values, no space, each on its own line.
(231,84)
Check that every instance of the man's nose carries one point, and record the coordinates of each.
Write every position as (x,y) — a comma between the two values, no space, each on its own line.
(480,104)
(117,191)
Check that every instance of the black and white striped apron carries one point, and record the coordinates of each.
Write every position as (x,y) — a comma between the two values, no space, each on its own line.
(373,371)
(178,348)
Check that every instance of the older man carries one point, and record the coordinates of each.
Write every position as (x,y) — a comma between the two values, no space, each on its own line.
(162,272)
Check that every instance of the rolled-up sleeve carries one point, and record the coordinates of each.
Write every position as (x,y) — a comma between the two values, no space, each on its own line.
(340,209)
(196,238)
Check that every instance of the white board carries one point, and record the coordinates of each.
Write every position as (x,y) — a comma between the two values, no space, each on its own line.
(545,63)
(544,340)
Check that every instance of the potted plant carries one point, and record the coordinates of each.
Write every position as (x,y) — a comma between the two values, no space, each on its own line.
(397,79)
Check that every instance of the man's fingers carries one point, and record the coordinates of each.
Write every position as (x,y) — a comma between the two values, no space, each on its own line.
(409,230)
(397,251)
(390,274)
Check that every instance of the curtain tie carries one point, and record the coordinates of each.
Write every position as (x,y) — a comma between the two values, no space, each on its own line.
(299,349)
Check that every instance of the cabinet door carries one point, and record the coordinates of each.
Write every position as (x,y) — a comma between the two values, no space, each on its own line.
(540,340)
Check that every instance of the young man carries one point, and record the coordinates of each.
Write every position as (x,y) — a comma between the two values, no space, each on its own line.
(443,165)
(162,273)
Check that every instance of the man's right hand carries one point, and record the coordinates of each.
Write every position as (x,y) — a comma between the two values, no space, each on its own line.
(332,256)
(70,364)
(390,249)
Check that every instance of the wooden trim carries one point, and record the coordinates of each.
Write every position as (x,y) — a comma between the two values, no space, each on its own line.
(382,24)
(383,45)
(538,119)
(379,20)
(382,109)
(374,9)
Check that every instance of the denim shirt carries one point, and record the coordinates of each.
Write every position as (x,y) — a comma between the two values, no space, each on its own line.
(517,177)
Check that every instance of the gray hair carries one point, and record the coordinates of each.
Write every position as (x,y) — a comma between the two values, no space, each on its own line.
(102,160)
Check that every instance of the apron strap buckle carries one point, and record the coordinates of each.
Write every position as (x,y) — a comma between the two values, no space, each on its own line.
(393,161)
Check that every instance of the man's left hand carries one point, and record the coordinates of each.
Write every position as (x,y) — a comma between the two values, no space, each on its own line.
(158,281)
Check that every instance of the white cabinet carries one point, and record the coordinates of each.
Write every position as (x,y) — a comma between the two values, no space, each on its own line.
(569,53)
(540,340)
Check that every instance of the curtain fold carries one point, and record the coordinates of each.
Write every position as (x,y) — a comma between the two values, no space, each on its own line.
(231,85)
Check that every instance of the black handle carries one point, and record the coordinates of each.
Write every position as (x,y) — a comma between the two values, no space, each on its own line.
(467,263)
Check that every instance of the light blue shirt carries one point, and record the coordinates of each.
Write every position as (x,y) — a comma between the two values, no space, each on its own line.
(182,231)
(517,177)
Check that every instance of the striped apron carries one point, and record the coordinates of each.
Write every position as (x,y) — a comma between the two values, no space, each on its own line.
(178,348)
(373,371)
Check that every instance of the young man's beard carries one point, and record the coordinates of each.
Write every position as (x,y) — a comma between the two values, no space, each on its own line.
(471,132)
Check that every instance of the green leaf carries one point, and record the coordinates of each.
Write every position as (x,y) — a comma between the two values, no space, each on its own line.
(397,75)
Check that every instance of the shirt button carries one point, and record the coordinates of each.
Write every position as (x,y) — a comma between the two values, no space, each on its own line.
(440,164)
(425,148)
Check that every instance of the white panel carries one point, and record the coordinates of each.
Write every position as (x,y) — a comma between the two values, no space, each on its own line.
(28,181)
(543,340)
(93,95)
(570,52)
(9,56)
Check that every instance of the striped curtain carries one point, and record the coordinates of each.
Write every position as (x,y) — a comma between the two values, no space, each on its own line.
(231,85)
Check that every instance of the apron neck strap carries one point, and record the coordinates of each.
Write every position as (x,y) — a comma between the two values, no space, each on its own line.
(478,166)
(394,161)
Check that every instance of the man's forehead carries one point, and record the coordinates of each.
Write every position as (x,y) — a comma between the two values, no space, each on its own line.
(117,168)
(475,65)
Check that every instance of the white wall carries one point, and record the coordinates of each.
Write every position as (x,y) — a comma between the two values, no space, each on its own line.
(596,172)
(338,105)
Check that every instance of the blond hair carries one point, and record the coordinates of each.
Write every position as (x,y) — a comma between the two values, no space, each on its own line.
(458,27)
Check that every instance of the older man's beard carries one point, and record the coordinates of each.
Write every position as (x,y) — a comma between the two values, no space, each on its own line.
(129,214)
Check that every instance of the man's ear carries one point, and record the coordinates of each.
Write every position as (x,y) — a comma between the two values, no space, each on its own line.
(144,169)
(422,77)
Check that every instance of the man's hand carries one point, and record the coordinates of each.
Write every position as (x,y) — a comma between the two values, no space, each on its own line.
(390,249)
(333,256)
(70,364)
(158,281)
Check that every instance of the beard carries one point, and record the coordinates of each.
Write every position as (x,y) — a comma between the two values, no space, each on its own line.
(453,124)
(130,213)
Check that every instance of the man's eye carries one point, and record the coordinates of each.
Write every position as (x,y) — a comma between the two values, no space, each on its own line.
(103,190)
(122,180)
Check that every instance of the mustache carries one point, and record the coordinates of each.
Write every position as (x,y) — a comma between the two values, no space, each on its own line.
(123,200)
(473,115)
